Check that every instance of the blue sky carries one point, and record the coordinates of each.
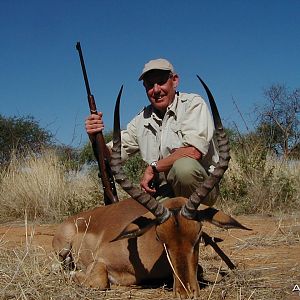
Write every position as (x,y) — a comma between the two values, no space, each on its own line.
(237,47)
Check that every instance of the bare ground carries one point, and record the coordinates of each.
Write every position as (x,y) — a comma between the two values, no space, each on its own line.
(267,260)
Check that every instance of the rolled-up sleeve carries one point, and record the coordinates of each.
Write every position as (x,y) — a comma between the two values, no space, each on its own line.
(197,125)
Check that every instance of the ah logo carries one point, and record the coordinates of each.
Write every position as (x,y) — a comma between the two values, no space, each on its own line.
(296,289)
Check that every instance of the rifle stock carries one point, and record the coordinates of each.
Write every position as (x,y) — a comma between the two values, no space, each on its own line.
(100,149)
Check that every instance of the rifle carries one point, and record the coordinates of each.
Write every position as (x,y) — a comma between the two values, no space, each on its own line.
(100,149)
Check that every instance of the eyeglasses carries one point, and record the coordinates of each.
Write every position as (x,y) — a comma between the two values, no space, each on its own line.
(159,79)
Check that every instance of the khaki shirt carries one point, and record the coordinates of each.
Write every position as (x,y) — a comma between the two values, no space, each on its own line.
(187,122)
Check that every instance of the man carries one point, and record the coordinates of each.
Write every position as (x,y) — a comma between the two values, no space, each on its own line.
(173,135)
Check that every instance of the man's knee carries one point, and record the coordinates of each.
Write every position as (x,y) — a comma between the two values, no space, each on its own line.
(186,175)
(186,170)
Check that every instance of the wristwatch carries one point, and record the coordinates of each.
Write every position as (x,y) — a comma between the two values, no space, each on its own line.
(153,165)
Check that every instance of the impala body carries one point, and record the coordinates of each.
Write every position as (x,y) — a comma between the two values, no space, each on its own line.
(125,261)
(87,240)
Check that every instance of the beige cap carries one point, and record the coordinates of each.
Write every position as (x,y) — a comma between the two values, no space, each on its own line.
(157,64)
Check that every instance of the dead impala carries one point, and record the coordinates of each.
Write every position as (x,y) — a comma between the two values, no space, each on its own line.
(139,239)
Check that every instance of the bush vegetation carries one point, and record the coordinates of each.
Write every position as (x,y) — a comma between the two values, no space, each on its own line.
(21,134)
(44,187)
(257,181)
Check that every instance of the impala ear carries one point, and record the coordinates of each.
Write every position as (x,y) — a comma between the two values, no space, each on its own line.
(219,219)
(135,229)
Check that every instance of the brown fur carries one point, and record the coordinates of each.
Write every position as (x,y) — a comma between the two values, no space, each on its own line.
(87,239)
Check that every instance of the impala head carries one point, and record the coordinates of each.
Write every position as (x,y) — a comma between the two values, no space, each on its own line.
(178,222)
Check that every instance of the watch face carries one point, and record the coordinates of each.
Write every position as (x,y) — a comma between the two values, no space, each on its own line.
(153,165)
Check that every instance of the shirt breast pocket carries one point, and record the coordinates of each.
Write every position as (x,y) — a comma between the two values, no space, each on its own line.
(175,136)
(148,143)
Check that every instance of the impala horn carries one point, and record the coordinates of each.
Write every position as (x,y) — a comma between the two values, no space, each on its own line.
(190,208)
(158,210)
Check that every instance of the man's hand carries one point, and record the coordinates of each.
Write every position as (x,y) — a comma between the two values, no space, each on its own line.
(145,182)
(94,123)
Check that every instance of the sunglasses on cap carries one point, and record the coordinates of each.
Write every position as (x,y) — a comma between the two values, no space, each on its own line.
(159,78)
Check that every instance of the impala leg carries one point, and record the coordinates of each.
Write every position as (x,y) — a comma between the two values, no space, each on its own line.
(96,276)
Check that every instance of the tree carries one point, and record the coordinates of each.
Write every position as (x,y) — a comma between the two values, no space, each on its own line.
(279,121)
(21,134)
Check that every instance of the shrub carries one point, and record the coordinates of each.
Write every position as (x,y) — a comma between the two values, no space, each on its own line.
(21,134)
(266,186)
(134,168)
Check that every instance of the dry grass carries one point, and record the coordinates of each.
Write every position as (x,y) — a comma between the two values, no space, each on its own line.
(45,188)
(26,272)
(26,275)
(42,187)
(263,186)
(268,262)
(282,235)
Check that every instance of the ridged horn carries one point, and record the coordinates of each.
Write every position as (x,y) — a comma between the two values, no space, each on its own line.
(189,209)
(157,209)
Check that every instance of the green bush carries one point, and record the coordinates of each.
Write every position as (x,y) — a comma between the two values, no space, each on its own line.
(261,184)
(134,168)
(21,134)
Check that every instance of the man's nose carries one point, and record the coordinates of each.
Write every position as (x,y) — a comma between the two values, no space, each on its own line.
(156,88)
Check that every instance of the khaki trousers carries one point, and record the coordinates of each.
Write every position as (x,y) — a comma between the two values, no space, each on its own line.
(184,177)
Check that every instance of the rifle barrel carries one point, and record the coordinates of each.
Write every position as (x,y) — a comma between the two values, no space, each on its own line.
(78,47)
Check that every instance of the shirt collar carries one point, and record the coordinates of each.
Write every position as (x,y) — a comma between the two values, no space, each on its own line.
(172,108)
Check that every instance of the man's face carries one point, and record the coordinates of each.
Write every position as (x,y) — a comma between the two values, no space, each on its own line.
(160,88)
